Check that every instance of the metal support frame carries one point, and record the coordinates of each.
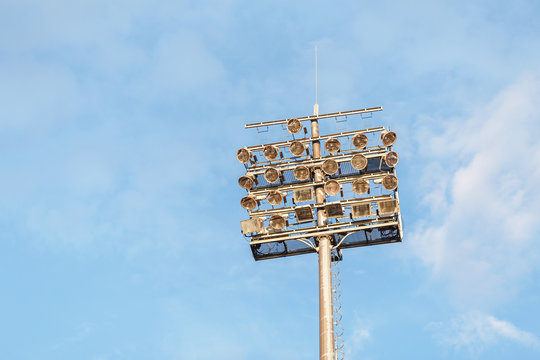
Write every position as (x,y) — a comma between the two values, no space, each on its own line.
(326,230)
(343,180)
(315,117)
(288,164)
(324,137)
(320,235)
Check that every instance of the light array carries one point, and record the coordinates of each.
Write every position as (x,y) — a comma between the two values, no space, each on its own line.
(360,183)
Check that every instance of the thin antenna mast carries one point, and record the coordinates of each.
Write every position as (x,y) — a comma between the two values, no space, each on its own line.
(316,106)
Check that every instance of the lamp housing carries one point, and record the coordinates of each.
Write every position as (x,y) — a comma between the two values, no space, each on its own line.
(297,148)
(243,155)
(359,162)
(294,126)
(360,141)
(270,152)
(301,173)
(332,145)
(360,186)
(332,187)
(272,175)
(388,137)
(330,166)
(247,181)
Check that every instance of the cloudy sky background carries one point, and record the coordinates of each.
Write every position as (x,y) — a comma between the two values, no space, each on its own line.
(119,210)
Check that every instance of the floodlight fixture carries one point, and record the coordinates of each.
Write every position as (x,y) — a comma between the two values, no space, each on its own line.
(360,186)
(390,182)
(332,145)
(360,141)
(272,175)
(391,158)
(303,194)
(275,197)
(388,137)
(330,166)
(270,152)
(278,221)
(359,162)
(243,155)
(333,210)
(248,202)
(297,148)
(319,172)
(301,173)
(303,213)
(247,181)
(387,206)
(332,187)
(252,225)
(361,210)
(294,126)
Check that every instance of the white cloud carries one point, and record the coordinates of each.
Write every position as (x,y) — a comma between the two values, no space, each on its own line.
(479,238)
(84,330)
(476,331)
(360,334)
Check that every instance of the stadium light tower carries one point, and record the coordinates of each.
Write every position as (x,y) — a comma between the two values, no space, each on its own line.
(345,196)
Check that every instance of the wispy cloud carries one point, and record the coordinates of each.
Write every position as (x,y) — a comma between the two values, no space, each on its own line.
(357,337)
(83,331)
(479,236)
(474,332)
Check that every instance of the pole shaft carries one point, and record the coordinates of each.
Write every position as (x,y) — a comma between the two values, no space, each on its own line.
(326,321)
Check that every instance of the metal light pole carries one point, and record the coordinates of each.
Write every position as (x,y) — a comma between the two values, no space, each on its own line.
(326,313)
(369,216)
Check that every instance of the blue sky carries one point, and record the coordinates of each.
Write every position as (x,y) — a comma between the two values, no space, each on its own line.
(119,123)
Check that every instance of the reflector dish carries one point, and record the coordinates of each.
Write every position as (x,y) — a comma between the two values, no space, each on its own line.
(274,197)
(246,181)
(301,195)
(330,166)
(360,186)
(301,173)
(332,187)
(361,210)
(297,148)
(332,145)
(387,206)
(251,225)
(360,141)
(248,202)
(294,126)
(359,162)
(303,213)
(272,175)
(270,152)
(333,210)
(243,155)
(388,137)
(277,222)
(390,182)
(391,158)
